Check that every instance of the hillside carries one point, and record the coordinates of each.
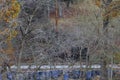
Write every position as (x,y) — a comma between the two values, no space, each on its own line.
(60,32)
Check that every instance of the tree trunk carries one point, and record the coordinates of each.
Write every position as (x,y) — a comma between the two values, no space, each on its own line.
(105,24)
(20,55)
(56,16)
(106,18)
(104,73)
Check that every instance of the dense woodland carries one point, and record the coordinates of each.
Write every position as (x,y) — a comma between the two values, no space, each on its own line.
(60,32)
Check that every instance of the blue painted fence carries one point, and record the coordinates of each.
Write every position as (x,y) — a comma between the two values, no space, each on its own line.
(46,75)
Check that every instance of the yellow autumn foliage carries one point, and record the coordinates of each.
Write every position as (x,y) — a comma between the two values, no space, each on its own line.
(112,10)
(12,35)
(14,24)
(8,13)
(12,11)
(98,3)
